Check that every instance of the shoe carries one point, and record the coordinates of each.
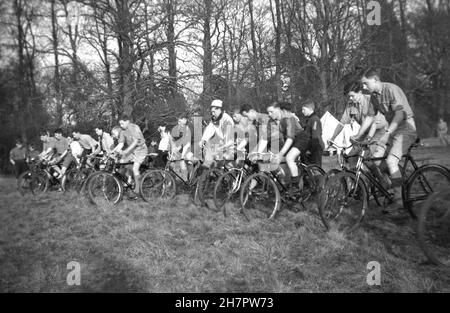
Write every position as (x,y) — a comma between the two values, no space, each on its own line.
(396,206)
(393,209)
(133,197)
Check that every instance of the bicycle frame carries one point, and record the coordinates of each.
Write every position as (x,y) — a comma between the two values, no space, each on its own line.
(362,159)
(192,180)
(282,187)
(242,172)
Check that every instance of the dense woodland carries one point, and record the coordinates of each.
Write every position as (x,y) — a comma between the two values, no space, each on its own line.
(82,63)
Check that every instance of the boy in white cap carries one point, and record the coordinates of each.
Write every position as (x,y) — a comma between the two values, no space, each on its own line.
(218,136)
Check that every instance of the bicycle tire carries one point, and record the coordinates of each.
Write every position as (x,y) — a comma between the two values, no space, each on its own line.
(341,192)
(83,189)
(74,180)
(104,188)
(434,228)
(316,177)
(32,182)
(204,190)
(268,191)
(226,187)
(157,184)
(424,181)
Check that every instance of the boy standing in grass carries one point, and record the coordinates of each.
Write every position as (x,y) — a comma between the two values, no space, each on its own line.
(17,157)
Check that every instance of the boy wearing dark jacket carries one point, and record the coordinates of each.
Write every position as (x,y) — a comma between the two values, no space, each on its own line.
(313,131)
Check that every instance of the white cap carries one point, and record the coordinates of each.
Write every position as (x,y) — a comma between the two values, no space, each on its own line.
(216,103)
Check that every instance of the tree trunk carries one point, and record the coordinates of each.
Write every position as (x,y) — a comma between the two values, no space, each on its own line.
(207,54)
(126,55)
(170,32)
(276,19)
(21,103)
(56,77)
(255,50)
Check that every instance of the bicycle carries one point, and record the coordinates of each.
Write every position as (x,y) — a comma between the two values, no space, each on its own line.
(76,178)
(161,183)
(39,178)
(267,188)
(345,196)
(208,181)
(434,228)
(229,183)
(109,185)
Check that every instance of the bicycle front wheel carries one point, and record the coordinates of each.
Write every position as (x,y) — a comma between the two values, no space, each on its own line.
(157,184)
(434,228)
(343,202)
(226,189)
(204,190)
(315,178)
(104,189)
(35,183)
(260,197)
(423,182)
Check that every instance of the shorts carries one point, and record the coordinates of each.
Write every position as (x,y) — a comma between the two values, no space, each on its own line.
(68,160)
(138,156)
(301,143)
(400,141)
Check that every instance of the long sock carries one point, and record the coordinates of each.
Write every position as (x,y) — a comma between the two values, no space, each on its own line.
(137,180)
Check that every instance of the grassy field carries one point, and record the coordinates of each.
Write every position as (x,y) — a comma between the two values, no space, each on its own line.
(175,246)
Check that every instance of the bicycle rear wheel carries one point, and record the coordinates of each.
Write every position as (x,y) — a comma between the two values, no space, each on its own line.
(423,182)
(157,184)
(260,197)
(343,202)
(74,179)
(315,178)
(434,228)
(226,189)
(104,189)
(35,183)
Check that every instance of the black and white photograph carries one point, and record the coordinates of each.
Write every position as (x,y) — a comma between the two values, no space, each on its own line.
(224,152)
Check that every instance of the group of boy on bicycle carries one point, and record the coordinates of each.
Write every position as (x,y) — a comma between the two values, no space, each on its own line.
(387,122)
(61,152)
(383,113)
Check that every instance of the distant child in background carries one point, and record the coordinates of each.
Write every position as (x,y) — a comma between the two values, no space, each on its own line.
(163,147)
(32,153)
(313,130)
(152,151)
(17,157)
(153,147)
(442,130)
